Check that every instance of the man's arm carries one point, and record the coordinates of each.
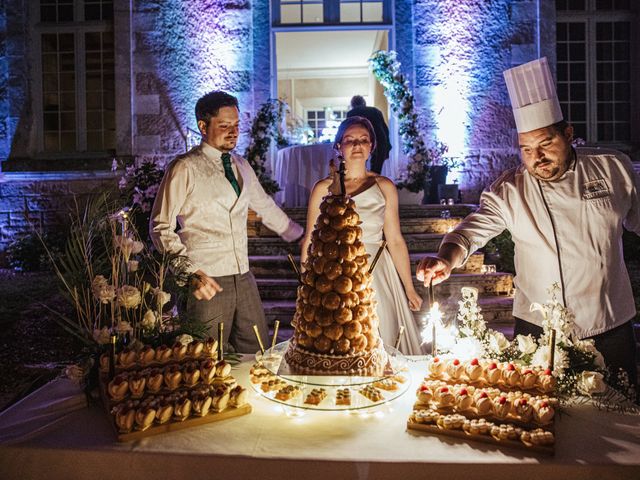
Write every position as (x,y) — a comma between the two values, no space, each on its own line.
(272,215)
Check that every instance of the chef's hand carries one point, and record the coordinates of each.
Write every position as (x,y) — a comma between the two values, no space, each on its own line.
(433,268)
(204,287)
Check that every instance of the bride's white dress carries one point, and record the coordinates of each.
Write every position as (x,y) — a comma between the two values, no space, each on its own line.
(393,305)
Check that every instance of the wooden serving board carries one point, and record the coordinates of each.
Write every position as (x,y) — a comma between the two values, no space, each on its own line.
(461,434)
(172,426)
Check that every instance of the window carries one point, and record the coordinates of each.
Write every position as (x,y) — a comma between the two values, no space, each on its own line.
(333,12)
(594,67)
(77,106)
(324,123)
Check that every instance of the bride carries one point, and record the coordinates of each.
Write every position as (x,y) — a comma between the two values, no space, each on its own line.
(376,200)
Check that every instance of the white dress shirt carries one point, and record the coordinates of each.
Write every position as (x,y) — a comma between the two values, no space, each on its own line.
(212,218)
(568,231)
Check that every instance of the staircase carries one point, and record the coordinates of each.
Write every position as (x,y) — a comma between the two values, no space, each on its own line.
(423,229)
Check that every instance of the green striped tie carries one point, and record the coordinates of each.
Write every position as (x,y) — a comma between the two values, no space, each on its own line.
(228,172)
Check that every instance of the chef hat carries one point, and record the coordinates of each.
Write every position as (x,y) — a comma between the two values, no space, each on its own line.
(533,96)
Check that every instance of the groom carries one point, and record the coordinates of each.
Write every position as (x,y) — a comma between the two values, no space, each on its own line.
(208,191)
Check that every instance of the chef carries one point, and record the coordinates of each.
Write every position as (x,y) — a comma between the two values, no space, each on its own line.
(565,208)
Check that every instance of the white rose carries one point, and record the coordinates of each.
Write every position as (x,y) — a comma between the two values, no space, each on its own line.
(102,291)
(591,382)
(498,342)
(137,247)
(129,297)
(526,344)
(162,297)
(132,265)
(184,339)
(101,336)
(149,320)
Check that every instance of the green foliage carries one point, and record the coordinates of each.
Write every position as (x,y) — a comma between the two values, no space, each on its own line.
(500,251)
(27,253)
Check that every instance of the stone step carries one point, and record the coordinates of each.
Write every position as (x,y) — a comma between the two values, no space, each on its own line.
(278,266)
(407,226)
(487,284)
(416,242)
(497,311)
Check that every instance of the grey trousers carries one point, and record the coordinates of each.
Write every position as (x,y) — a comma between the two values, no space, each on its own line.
(239,307)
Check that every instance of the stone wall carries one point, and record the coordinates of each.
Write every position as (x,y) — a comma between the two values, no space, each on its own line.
(460,52)
(42,200)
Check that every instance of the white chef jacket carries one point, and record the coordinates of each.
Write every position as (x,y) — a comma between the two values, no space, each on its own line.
(568,231)
(213,219)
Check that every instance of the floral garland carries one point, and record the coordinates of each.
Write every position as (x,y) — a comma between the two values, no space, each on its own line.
(386,69)
(579,367)
(265,127)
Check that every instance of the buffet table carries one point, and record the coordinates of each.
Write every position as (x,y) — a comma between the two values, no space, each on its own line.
(52,434)
(298,168)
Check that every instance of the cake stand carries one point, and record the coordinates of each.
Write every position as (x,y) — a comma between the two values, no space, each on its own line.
(389,387)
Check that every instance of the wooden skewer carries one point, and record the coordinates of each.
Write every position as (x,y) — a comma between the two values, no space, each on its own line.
(255,330)
(341,172)
(377,257)
(552,348)
(399,337)
(221,341)
(276,326)
(294,265)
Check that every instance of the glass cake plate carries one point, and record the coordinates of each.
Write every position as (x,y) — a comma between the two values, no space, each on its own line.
(387,387)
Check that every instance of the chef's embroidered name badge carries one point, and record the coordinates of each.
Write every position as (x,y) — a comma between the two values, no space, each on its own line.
(595,189)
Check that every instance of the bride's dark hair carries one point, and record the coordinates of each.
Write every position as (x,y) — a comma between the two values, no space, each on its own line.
(351,121)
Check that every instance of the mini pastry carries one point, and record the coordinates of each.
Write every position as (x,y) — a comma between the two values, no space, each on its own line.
(316,396)
(436,367)
(146,355)
(444,397)
(182,409)
(528,379)
(163,354)
(386,384)
(288,392)
(137,383)
(211,347)
(201,404)
(172,377)
(451,422)
(399,378)
(501,406)
(191,374)
(127,358)
(220,399)
(223,369)
(473,370)
(463,400)
(238,396)
(543,412)
(523,409)
(511,376)
(125,416)
(537,437)
(484,405)
(492,373)
(208,371)
(155,380)
(118,387)
(178,351)
(164,411)
(145,417)
(477,426)
(272,384)
(195,349)
(546,381)
(424,394)
(455,369)
(343,396)
(371,393)
(425,416)
(505,432)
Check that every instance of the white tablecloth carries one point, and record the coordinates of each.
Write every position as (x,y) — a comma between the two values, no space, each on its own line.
(298,168)
(320,445)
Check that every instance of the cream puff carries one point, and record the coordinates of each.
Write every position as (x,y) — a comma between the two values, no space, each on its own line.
(424,394)
(436,367)
(455,369)
(137,384)
(511,375)
(146,355)
(163,354)
(501,406)
(473,370)
(145,417)
(118,387)
(444,397)
(492,373)
(155,380)
(463,400)
(522,409)
(125,417)
(484,405)
(528,379)
(543,412)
